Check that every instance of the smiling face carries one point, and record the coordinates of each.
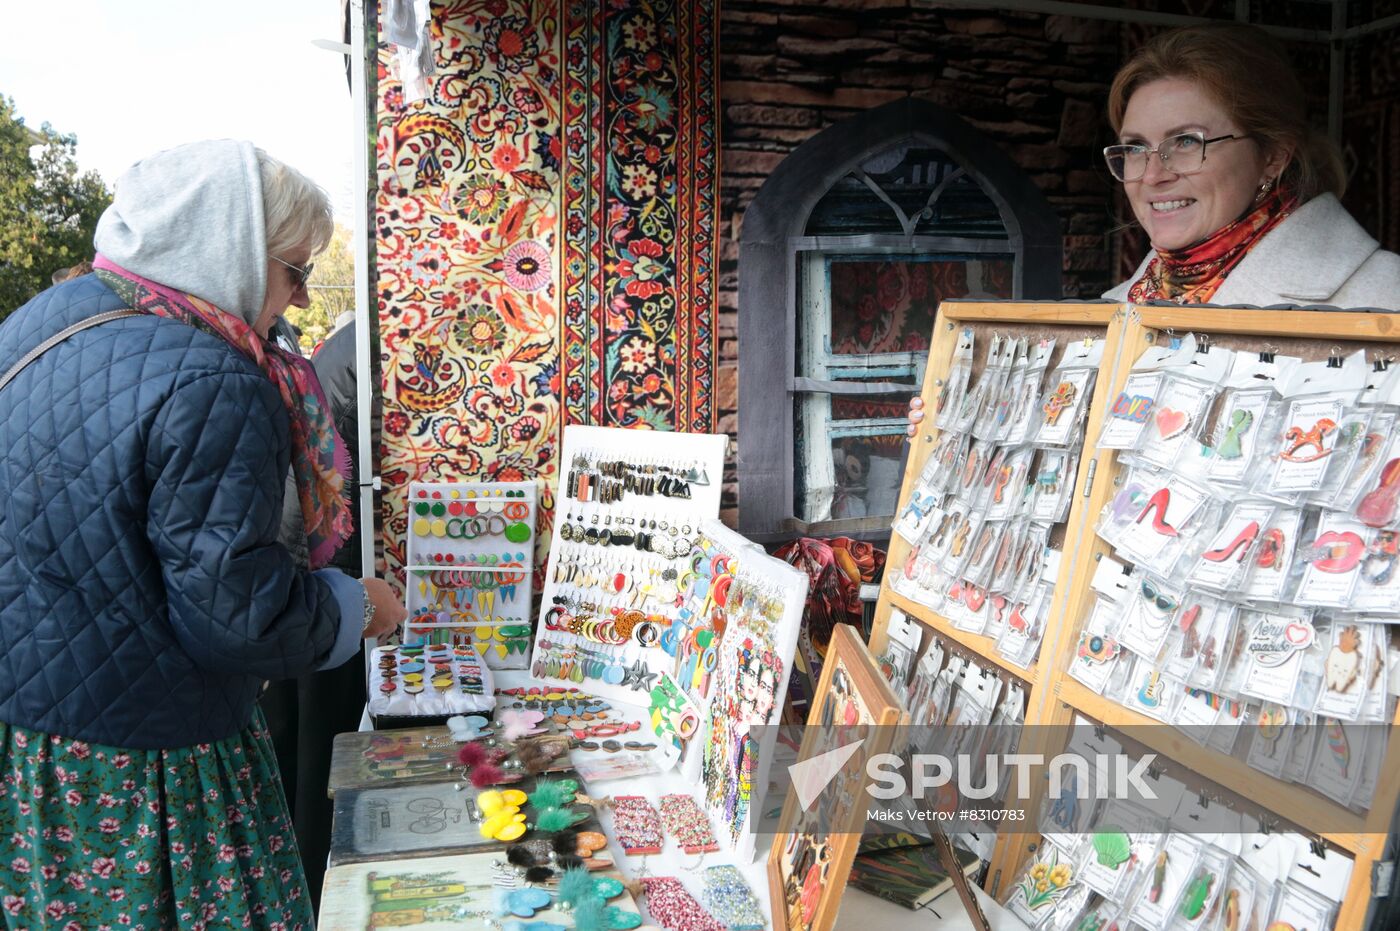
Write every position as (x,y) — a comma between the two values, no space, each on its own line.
(1181,210)
(283,291)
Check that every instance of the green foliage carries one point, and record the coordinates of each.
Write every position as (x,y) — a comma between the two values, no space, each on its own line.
(332,289)
(48,210)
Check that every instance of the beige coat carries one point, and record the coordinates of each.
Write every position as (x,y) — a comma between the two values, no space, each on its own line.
(1319,255)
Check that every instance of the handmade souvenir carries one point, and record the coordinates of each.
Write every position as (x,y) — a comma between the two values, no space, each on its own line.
(730,900)
(1047,879)
(1275,644)
(636,825)
(1332,562)
(674,908)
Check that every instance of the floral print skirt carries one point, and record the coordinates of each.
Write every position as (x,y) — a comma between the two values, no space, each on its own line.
(105,838)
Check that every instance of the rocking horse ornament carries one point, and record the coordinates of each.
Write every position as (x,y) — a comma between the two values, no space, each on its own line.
(1298,439)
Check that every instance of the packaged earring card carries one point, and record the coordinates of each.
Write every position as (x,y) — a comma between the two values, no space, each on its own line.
(1184,395)
(949,406)
(1067,393)
(470,575)
(1315,400)
(627,521)
(1132,408)
(1250,393)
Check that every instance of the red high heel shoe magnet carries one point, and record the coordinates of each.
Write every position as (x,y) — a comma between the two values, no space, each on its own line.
(1240,544)
(1158,504)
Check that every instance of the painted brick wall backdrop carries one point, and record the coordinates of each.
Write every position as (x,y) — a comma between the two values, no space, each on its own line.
(1036,85)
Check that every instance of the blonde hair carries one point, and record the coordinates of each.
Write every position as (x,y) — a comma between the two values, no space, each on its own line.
(296,212)
(1247,72)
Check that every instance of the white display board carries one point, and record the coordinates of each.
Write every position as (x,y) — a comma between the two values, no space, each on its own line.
(628,510)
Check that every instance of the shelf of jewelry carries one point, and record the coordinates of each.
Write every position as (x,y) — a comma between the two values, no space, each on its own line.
(472,587)
(610,599)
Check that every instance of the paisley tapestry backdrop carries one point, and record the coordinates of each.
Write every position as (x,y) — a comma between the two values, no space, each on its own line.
(497,325)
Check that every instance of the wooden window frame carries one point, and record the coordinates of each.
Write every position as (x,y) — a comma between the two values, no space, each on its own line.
(774,233)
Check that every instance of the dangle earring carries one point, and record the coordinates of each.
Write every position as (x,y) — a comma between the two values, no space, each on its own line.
(1265,187)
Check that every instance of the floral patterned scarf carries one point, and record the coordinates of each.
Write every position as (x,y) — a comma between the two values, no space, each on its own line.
(320,460)
(1193,275)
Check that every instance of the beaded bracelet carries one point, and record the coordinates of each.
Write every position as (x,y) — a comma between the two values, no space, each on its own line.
(675,908)
(731,900)
(688,824)
(637,824)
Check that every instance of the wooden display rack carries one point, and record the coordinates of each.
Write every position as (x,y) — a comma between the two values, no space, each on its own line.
(1053,698)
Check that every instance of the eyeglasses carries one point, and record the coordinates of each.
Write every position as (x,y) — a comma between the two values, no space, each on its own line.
(303,272)
(1182,154)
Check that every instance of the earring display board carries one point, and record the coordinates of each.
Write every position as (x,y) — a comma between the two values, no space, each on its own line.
(469,890)
(741,612)
(470,567)
(813,849)
(1280,495)
(629,511)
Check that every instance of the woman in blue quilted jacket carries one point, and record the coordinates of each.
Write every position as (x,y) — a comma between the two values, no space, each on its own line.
(144,593)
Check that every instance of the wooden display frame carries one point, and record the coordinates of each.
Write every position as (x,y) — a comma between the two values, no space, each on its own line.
(847,652)
(1054,699)
(951,319)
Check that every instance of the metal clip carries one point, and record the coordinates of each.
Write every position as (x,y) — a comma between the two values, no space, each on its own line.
(1203,346)
(1203,799)
(1099,731)
(1267,353)
(1318,846)
(1334,358)
(1154,772)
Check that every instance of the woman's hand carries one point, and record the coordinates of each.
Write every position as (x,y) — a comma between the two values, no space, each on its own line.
(916,414)
(389,612)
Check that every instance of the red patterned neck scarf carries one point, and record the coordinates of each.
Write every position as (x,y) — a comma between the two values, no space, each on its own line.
(1193,275)
(320,460)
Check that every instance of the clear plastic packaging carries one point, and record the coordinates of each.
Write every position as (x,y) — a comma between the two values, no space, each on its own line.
(953,391)
(1067,394)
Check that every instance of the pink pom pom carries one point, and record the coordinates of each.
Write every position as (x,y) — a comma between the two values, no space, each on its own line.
(472,754)
(485,775)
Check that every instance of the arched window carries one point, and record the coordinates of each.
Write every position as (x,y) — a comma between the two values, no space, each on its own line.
(845,254)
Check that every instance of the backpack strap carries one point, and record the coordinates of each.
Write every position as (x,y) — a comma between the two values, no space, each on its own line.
(62,335)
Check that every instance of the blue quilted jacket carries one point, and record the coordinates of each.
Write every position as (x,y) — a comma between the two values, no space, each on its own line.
(143,595)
